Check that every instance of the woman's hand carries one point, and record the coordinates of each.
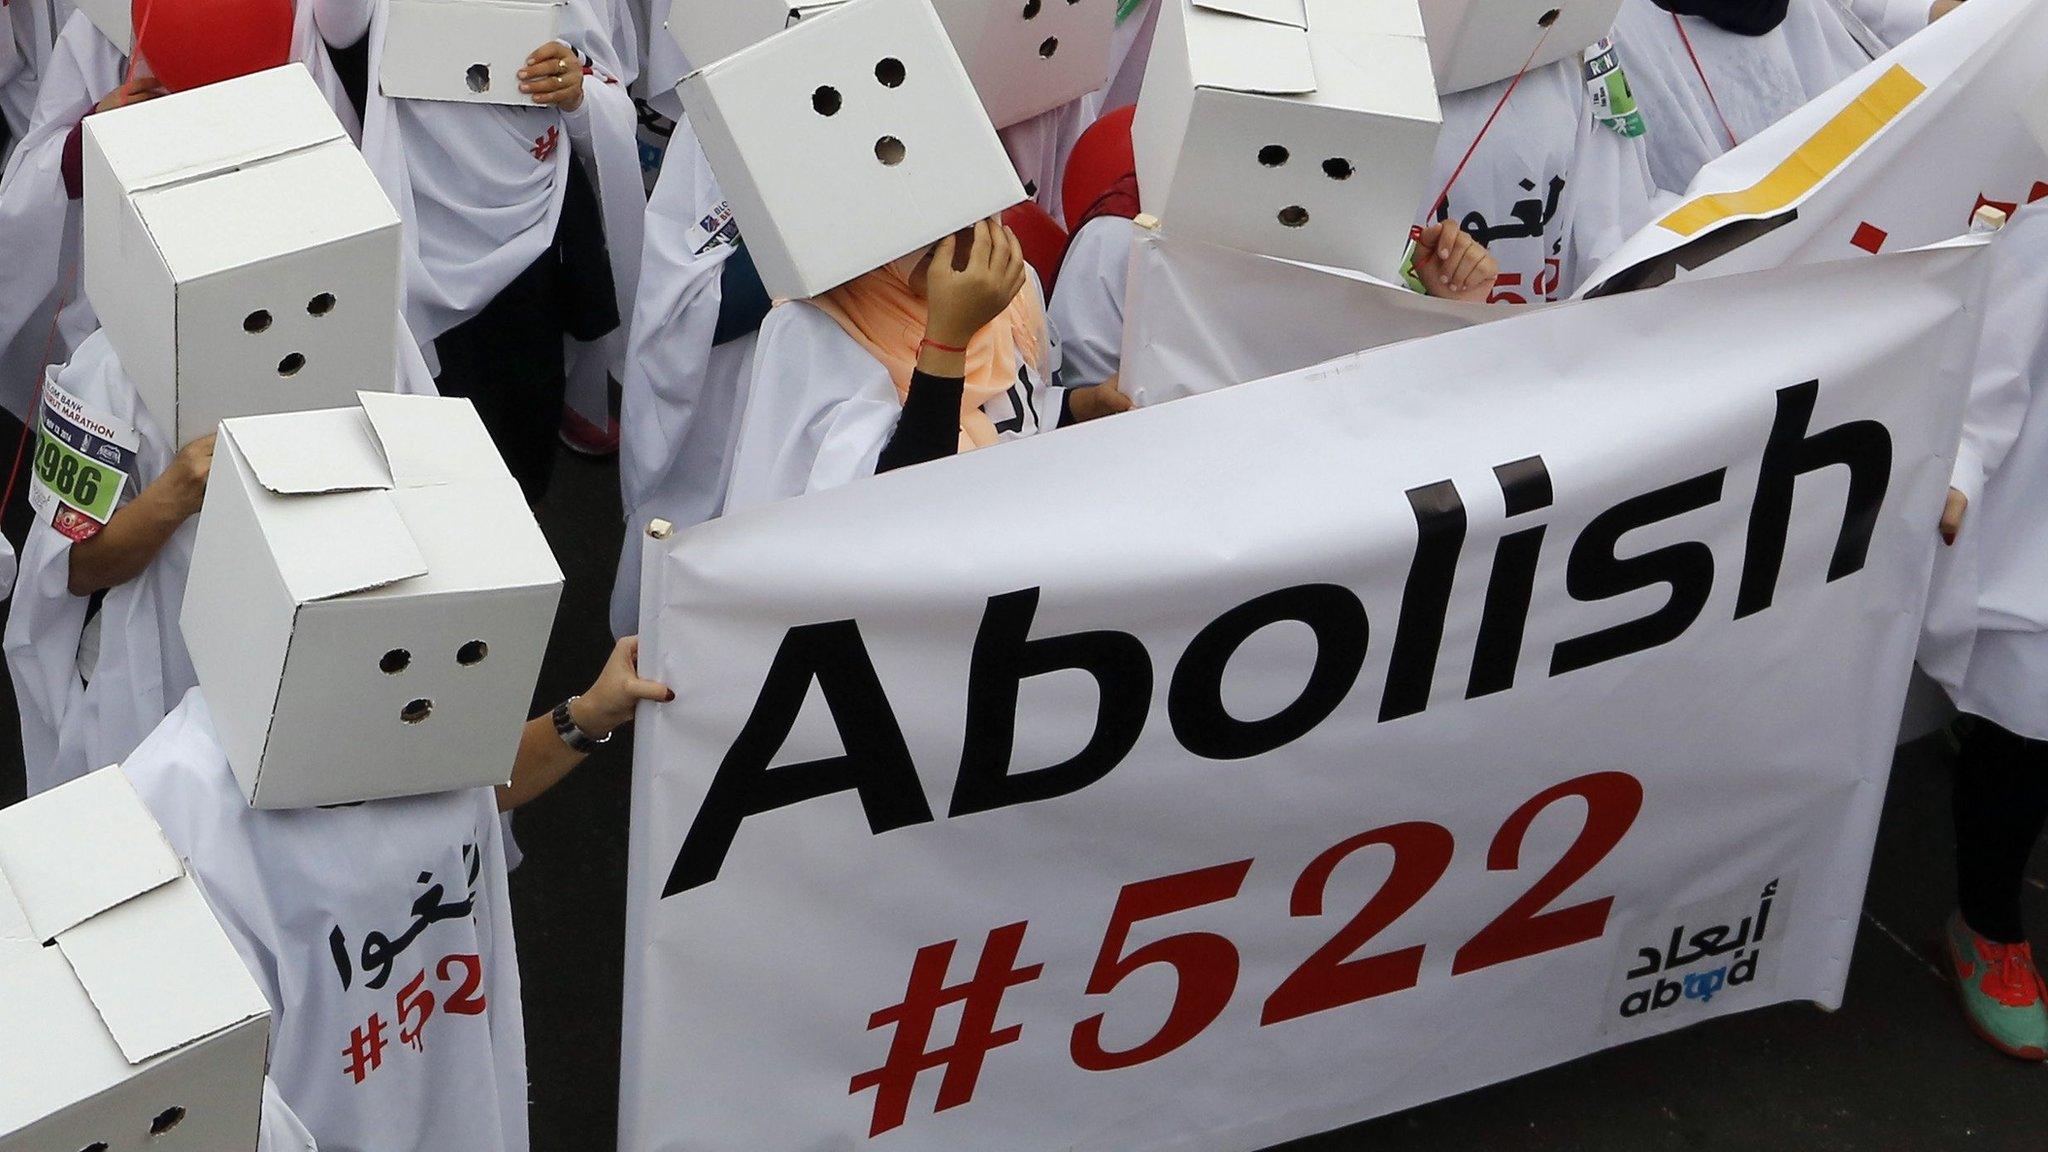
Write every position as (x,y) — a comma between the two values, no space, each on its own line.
(967,289)
(1097,401)
(133,91)
(1952,514)
(554,76)
(1453,265)
(609,703)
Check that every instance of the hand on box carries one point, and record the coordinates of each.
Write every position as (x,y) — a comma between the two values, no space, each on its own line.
(554,76)
(610,701)
(135,90)
(974,275)
(1453,265)
(182,487)
(1093,403)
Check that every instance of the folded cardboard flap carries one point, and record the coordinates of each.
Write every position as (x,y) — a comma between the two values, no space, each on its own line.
(324,543)
(430,440)
(192,986)
(307,453)
(1242,54)
(215,128)
(1289,12)
(80,850)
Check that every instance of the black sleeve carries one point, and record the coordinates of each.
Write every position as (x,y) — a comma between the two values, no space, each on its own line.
(743,301)
(929,428)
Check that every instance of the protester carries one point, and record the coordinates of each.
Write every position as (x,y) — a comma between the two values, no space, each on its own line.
(43,313)
(1709,74)
(943,351)
(1986,642)
(1529,168)
(506,253)
(324,903)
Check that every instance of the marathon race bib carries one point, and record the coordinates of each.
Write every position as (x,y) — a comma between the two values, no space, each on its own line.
(84,460)
(1614,103)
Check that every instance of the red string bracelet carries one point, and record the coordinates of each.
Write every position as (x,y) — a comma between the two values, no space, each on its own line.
(930,343)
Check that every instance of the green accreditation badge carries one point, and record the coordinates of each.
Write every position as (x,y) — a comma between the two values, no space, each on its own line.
(1614,103)
(1408,273)
(84,461)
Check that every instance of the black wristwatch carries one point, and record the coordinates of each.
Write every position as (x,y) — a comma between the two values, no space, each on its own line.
(576,738)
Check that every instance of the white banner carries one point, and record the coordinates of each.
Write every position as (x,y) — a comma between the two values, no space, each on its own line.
(1248,766)
(1198,317)
(1899,155)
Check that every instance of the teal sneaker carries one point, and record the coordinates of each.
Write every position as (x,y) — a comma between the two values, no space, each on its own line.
(2001,991)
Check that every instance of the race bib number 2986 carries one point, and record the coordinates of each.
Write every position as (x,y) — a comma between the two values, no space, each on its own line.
(83,461)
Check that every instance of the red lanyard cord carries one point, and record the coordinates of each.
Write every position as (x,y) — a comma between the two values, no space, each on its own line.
(1704,83)
(1443,198)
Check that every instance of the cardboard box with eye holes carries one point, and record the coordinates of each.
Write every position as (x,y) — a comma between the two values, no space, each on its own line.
(1024,57)
(240,254)
(369,602)
(850,140)
(1478,42)
(127,1021)
(468,51)
(1299,129)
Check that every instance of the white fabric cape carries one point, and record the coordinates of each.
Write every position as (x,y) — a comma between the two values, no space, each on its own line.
(820,408)
(1087,308)
(1985,639)
(39,224)
(1039,148)
(28,36)
(1550,190)
(1892,20)
(680,396)
(140,668)
(1130,47)
(298,891)
(1755,80)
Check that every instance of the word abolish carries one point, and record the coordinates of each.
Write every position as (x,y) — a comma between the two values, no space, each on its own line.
(877,764)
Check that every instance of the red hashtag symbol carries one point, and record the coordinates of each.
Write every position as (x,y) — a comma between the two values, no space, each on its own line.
(980,999)
(365,1053)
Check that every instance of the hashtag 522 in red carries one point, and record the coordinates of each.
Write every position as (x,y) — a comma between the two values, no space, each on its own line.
(1205,965)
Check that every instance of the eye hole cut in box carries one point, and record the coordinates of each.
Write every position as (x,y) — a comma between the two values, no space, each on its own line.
(478,78)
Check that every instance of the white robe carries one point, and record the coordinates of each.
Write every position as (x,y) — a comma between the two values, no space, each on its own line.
(479,187)
(1894,21)
(1756,80)
(1556,190)
(680,397)
(322,903)
(28,37)
(820,408)
(1985,637)
(39,223)
(134,652)
(1039,148)
(1087,308)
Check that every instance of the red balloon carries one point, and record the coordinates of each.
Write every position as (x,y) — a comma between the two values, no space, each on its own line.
(189,43)
(1102,158)
(1043,240)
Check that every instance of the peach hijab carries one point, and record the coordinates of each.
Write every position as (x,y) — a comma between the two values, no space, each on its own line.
(884,316)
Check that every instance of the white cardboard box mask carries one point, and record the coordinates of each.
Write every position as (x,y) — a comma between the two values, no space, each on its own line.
(1478,42)
(239,252)
(710,30)
(127,1021)
(465,50)
(1030,56)
(848,141)
(369,602)
(1306,132)
(114,18)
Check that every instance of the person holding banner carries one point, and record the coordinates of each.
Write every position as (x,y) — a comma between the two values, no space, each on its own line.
(1986,642)
(1545,175)
(1710,74)
(943,351)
